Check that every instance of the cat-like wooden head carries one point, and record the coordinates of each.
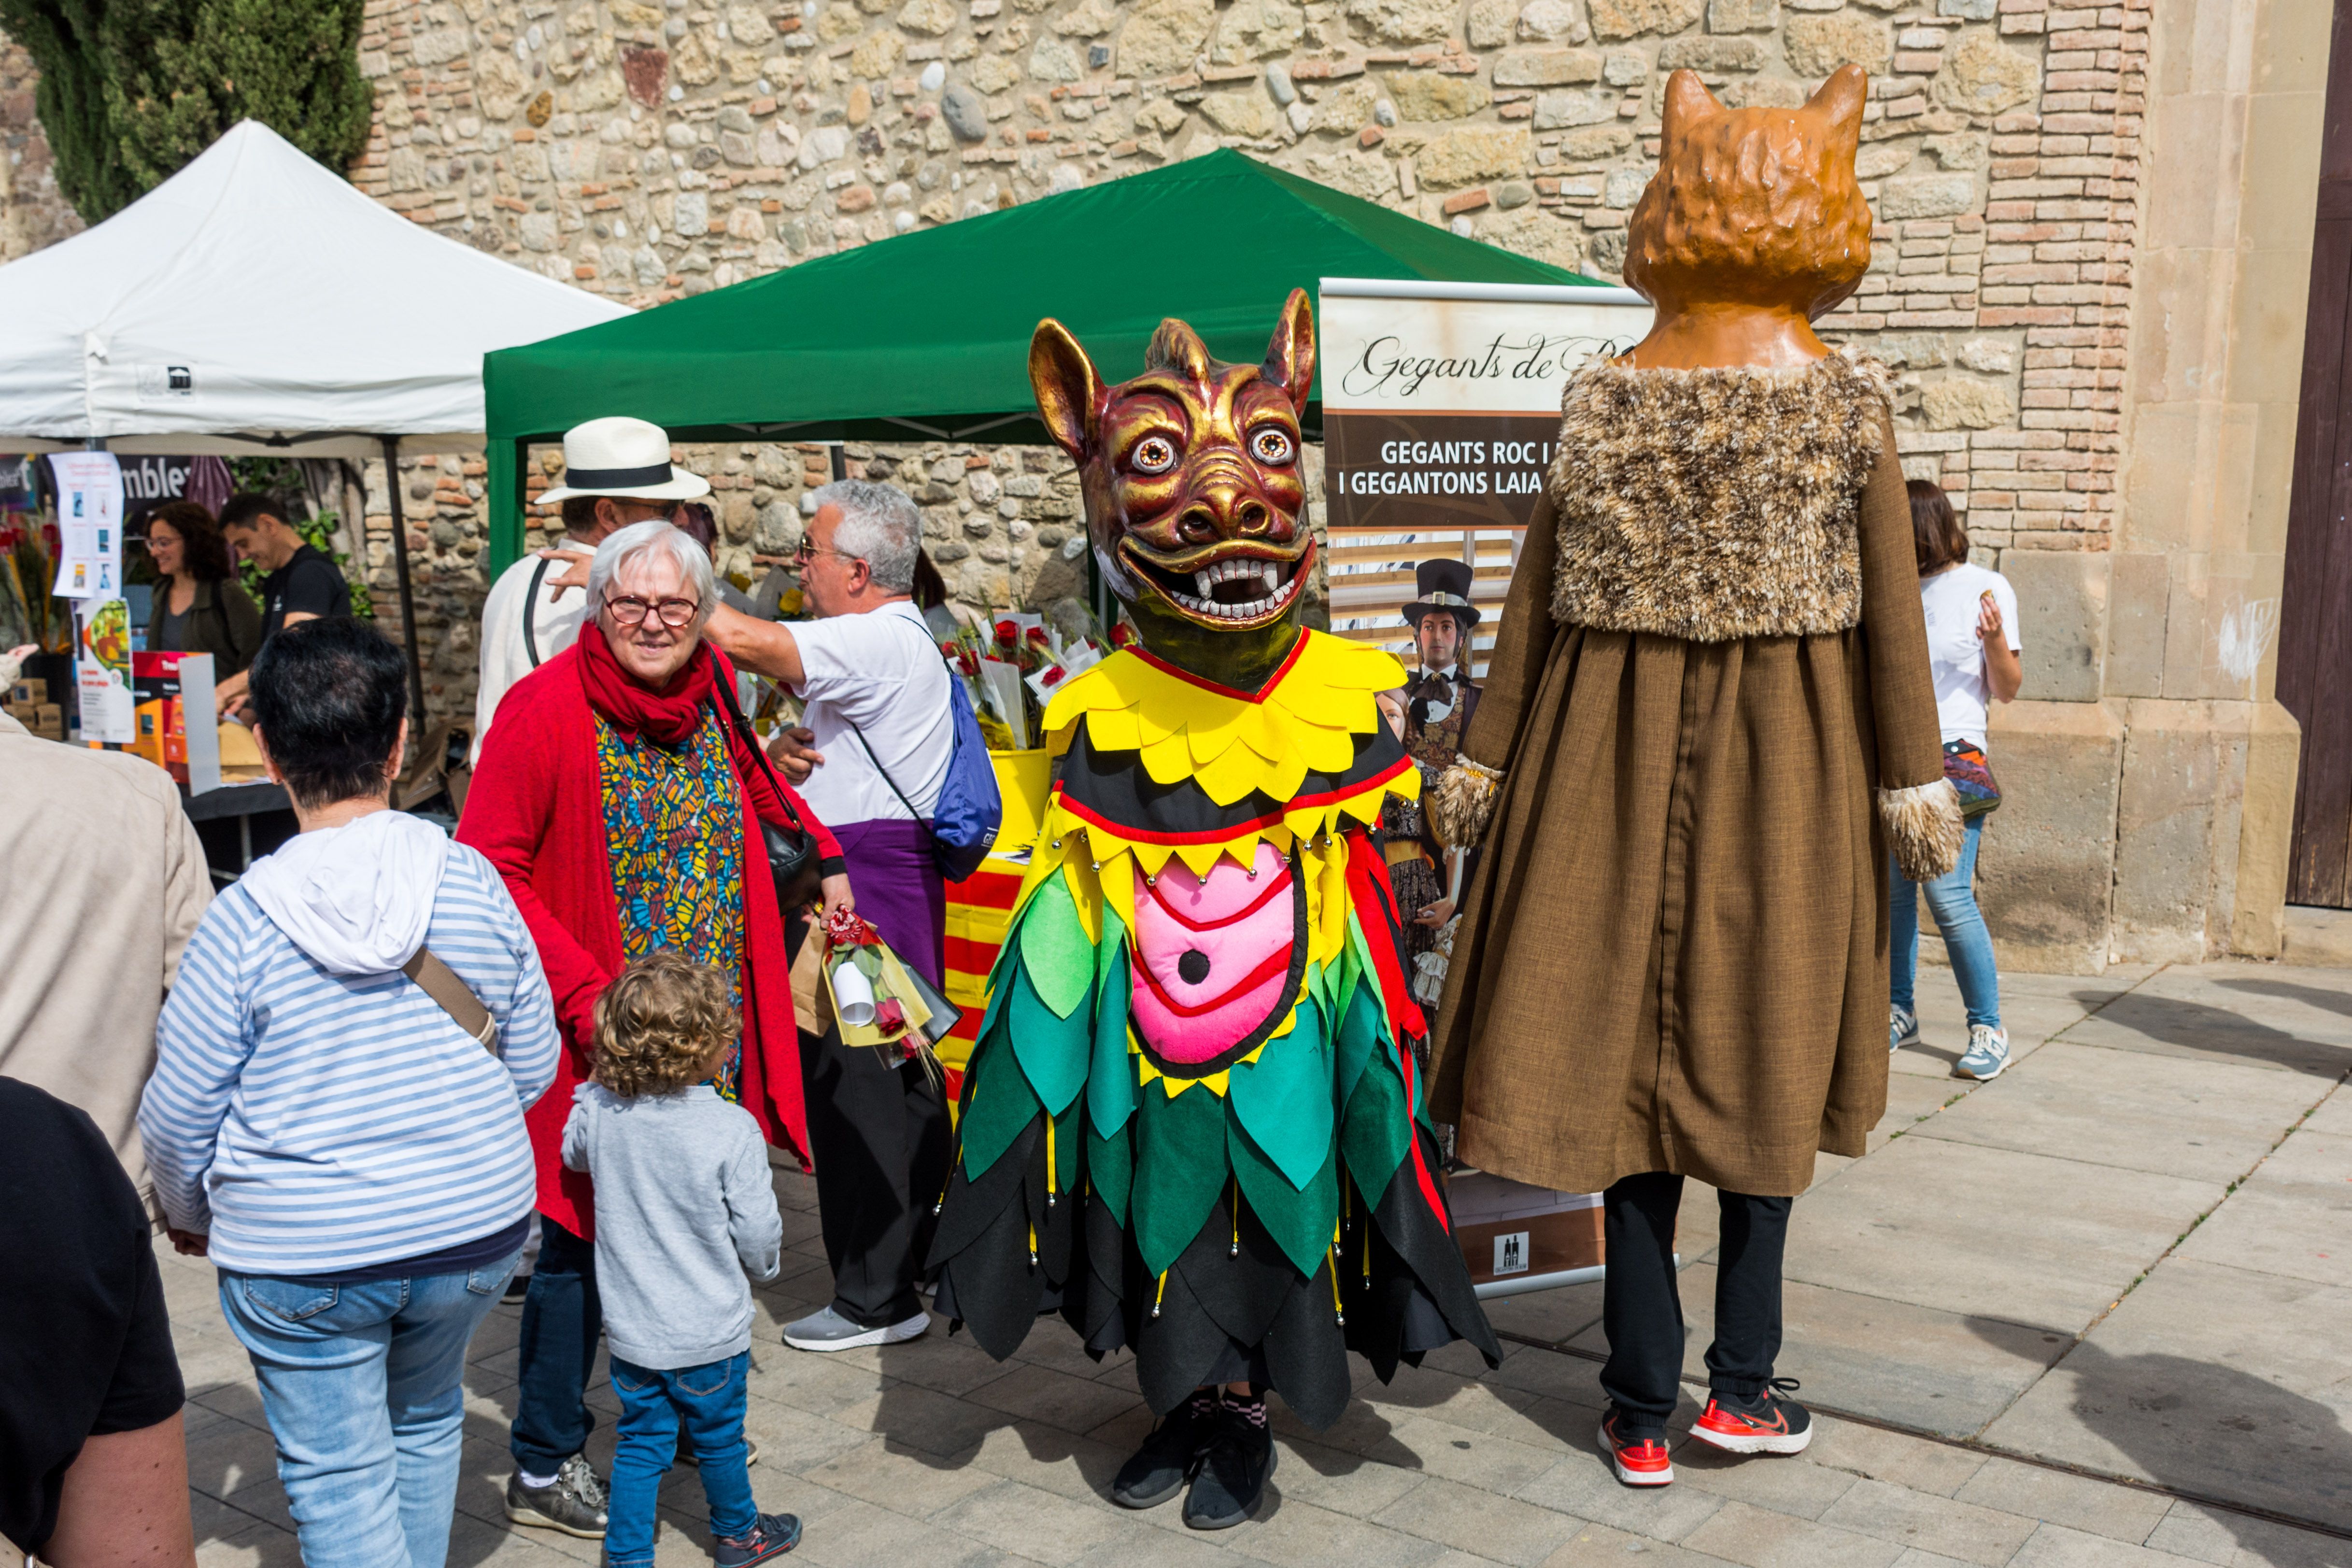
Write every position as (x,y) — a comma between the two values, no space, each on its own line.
(1753,207)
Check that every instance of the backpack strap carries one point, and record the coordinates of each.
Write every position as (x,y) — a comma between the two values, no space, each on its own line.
(455,997)
(530,611)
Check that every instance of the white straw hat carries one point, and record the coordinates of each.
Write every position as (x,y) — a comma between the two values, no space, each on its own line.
(624,458)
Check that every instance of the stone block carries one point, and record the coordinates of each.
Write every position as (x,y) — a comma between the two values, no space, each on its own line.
(1956,402)
(1706,54)
(1435,95)
(1632,19)
(1816,46)
(1490,23)
(2139,606)
(1983,77)
(1556,111)
(1927,196)
(2183,770)
(2045,870)
(1742,15)
(1404,21)
(2062,619)
(1248,112)
(1551,21)
(1546,67)
(1591,145)
(1163,36)
(2265,832)
(1471,154)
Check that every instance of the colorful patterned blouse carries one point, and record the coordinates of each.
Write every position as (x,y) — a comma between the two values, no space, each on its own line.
(674,833)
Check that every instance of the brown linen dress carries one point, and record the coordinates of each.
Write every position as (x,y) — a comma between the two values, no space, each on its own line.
(1674,955)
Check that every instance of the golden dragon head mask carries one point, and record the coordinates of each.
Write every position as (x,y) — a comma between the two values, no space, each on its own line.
(1193,492)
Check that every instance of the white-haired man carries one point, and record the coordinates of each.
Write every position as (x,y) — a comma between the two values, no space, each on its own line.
(871,758)
(616,470)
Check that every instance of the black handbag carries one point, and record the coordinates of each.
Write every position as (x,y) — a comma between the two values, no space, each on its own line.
(792,858)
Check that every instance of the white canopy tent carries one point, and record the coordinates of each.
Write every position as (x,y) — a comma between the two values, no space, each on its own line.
(256,304)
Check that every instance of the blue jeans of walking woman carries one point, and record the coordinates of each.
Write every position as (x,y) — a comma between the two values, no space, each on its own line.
(707,1403)
(365,1388)
(1952,899)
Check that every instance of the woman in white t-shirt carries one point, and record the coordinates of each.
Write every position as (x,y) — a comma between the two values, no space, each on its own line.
(1972,648)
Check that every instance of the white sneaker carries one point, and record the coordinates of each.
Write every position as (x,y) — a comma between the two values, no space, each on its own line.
(1902,1028)
(828,1330)
(1986,1056)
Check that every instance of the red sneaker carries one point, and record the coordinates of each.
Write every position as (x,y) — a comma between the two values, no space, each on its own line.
(1640,1457)
(1767,1424)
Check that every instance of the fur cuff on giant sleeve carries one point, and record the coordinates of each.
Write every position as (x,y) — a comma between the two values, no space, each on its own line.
(1923,828)
(1462,802)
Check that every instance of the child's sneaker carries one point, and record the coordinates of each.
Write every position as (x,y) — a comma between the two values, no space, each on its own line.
(1765,1424)
(775,1534)
(1987,1054)
(1639,1458)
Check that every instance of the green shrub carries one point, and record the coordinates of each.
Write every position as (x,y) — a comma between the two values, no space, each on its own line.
(132,89)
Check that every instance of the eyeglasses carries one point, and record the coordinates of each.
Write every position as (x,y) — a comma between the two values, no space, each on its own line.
(809,552)
(628,610)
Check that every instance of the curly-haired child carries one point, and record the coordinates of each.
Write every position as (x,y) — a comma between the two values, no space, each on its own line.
(684,1210)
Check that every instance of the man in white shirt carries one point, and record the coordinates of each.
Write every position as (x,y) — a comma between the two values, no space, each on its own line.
(870,762)
(616,470)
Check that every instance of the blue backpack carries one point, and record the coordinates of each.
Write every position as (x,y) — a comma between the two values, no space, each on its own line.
(964,823)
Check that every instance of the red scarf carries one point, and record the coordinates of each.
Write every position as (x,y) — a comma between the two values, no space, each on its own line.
(667,715)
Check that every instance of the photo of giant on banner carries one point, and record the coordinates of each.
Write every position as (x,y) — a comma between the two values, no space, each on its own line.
(1441,406)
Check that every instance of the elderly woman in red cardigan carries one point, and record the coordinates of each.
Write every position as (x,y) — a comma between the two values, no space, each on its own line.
(621,806)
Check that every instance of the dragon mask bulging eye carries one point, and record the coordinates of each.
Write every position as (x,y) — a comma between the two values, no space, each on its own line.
(1152,454)
(1273,445)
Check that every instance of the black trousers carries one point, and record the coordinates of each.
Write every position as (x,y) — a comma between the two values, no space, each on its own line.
(878,1134)
(562,1316)
(1641,1312)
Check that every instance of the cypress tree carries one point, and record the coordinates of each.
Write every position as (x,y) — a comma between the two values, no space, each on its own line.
(132,89)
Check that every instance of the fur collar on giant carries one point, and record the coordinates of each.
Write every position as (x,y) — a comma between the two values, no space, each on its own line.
(1715,505)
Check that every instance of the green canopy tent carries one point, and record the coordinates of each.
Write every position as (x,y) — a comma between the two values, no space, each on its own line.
(926,336)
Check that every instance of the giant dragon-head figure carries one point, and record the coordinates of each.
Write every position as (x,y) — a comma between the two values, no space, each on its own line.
(1193,493)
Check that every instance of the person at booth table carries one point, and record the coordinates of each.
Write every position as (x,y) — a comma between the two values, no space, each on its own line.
(301,583)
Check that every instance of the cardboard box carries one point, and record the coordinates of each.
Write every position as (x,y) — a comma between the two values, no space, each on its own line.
(30,689)
(1507,1229)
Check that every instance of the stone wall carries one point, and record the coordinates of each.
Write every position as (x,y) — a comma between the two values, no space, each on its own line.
(32,213)
(649,152)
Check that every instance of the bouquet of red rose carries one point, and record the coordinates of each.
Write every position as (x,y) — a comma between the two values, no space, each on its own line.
(880,1000)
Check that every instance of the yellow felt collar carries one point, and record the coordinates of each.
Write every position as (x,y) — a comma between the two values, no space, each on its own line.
(1232,742)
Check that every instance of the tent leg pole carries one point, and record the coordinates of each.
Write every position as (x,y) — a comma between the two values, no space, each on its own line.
(407,597)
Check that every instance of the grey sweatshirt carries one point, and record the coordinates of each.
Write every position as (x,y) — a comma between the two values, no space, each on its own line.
(682,1193)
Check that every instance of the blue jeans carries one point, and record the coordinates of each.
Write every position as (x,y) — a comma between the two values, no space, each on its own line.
(708,1401)
(363,1386)
(1952,899)
(562,1317)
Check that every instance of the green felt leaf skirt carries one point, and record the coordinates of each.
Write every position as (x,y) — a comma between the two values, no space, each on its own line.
(1262,1232)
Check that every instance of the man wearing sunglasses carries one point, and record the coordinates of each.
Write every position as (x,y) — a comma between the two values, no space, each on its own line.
(616,470)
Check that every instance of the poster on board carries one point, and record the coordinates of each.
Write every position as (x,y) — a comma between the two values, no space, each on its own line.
(1441,408)
(89,525)
(110,711)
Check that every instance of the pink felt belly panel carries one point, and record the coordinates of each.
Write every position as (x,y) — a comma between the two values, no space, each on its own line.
(1212,954)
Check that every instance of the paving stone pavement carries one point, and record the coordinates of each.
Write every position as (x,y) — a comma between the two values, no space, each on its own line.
(2131,1255)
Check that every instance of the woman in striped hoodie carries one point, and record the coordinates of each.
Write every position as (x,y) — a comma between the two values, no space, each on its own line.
(351,1160)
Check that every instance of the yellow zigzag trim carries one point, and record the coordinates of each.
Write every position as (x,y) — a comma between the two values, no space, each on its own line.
(1232,744)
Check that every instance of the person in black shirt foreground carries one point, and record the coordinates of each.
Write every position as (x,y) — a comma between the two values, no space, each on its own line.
(93,1466)
(302,584)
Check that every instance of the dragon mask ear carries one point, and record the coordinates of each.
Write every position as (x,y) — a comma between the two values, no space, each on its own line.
(1069,394)
(1290,356)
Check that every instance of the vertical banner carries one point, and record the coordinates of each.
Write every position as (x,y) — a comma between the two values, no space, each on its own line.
(89,524)
(1440,408)
(102,672)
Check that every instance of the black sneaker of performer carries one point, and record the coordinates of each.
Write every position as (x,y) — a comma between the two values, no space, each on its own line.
(1169,1458)
(1233,1476)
